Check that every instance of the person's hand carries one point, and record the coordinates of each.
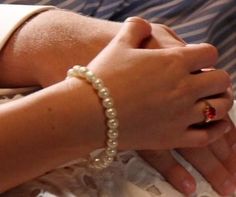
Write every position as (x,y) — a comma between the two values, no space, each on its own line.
(154,83)
(208,158)
(216,163)
(44,58)
(26,60)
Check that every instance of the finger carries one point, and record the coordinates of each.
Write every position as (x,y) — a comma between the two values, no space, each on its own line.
(173,33)
(231,138)
(196,56)
(199,136)
(229,162)
(220,105)
(177,175)
(224,153)
(211,83)
(221,149)
(212,169)
(133,32)
(162,37)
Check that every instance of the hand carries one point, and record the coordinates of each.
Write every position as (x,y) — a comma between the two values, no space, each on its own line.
(161,97)
(217,163)
(164,162)
(48,57)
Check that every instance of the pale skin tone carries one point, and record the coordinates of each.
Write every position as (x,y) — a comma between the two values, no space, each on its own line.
(58,66)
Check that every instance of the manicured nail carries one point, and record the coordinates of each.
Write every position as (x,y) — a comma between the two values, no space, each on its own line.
(228,187)
(188,186)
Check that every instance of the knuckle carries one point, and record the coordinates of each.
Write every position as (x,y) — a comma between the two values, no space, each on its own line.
(165,27)
(224,79)
(185,89)
(177,57)
(211,50)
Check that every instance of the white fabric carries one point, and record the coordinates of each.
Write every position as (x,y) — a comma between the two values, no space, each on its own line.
(12,16)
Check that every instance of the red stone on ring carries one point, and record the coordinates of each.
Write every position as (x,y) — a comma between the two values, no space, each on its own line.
(209,112)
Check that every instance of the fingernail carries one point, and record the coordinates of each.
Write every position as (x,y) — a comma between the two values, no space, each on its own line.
(191,45)
(188,186)
(228,187)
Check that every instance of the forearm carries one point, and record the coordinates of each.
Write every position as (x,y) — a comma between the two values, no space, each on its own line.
(50,43)
(45,130)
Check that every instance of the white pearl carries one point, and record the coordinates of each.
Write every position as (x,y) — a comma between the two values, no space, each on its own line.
(103,93)
(97,163)
(71,73)
(82,70)
(113,133)
(113,123)
(98,84)
(111,152)
(112,143)
(111,113)
(76,67)
(107,160)
(104,159)
(107,102)
(77,70)
(90,76)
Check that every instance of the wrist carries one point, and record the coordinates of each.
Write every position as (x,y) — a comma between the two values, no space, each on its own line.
(49,42)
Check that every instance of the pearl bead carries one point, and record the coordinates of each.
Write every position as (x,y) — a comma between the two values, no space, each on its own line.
(113,123)
(82,71)
(111,152)
(107,102)
(113,133)
(98,84)
(107,160)
(111,113)
(103,93)
(96,161)
(76,69)
(71,73)
(90,76)
(112,143)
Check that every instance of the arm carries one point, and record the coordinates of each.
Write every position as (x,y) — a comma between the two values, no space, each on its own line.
(8,59)
(47,129)
(51,42)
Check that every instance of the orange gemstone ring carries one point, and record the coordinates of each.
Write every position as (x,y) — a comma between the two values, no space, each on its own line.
(209,112)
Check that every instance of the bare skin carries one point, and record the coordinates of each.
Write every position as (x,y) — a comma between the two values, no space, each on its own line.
(8,59)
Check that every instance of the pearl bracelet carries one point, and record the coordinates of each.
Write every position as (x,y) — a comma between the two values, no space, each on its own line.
(106,157)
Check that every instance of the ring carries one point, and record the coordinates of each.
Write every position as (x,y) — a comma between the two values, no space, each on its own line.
(209,112)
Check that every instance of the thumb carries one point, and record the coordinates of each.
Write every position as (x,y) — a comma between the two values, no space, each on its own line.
(133,32)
